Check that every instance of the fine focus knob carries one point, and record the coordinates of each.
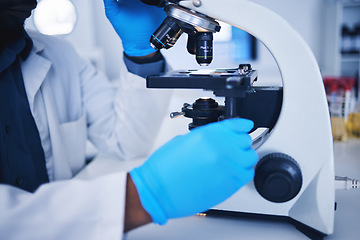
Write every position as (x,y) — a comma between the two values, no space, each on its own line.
(278,177)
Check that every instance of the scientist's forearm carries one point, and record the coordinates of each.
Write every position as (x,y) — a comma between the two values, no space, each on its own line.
(135,214)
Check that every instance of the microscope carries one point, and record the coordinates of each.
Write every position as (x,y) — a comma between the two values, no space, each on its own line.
(294,178)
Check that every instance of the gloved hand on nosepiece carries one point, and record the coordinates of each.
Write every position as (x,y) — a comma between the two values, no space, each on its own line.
(134,22)
(196,171)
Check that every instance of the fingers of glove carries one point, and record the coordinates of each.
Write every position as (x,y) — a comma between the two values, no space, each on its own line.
(111,5)
(128,2)
(135,5)
(225,138)
(240,159)
(222,130)
(133,19)
(244,177)
(137,50)
(239,125)
(239,176)
(235,140)
(116,7)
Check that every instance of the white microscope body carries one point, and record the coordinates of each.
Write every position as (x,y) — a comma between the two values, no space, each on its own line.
(303,129)
(294,178)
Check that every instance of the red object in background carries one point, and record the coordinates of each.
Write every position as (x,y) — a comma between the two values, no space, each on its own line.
(338,83)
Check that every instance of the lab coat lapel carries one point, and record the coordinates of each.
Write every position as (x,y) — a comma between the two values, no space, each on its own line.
(62,168)
(35,71)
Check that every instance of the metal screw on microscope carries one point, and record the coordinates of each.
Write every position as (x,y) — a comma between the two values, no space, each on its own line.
(176,114)
(197,3)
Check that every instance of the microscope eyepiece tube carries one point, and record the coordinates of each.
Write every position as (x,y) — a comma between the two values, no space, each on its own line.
(204,48)
(166,35)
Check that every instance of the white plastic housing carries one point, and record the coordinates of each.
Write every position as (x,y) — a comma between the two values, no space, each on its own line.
(303,129)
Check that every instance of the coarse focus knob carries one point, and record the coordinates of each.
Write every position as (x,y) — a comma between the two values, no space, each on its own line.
(278,177)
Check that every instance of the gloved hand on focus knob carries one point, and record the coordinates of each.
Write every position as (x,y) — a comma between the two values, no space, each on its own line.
(134,22)
(196,171)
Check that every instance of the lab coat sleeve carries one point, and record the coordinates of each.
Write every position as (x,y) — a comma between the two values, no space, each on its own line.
(71,210)
(126,118)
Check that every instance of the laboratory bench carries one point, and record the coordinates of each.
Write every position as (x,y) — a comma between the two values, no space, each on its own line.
(347,215)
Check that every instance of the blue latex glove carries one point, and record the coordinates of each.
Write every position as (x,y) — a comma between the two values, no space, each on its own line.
(196,171)
(134,22)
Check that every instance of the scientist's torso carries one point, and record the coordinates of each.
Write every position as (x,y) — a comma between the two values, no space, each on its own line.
(52,79)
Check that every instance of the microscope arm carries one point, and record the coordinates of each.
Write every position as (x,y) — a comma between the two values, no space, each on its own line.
(303,128)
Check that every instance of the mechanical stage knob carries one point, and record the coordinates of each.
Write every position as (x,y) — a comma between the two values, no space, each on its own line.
(278,177)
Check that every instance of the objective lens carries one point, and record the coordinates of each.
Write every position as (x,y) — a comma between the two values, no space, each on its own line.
(166,35)
(204,48)
(175,38)
(191,44)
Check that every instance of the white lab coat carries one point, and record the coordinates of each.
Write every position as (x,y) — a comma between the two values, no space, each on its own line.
(72,102)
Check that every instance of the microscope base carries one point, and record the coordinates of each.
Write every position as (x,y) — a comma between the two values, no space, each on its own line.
(311,233)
